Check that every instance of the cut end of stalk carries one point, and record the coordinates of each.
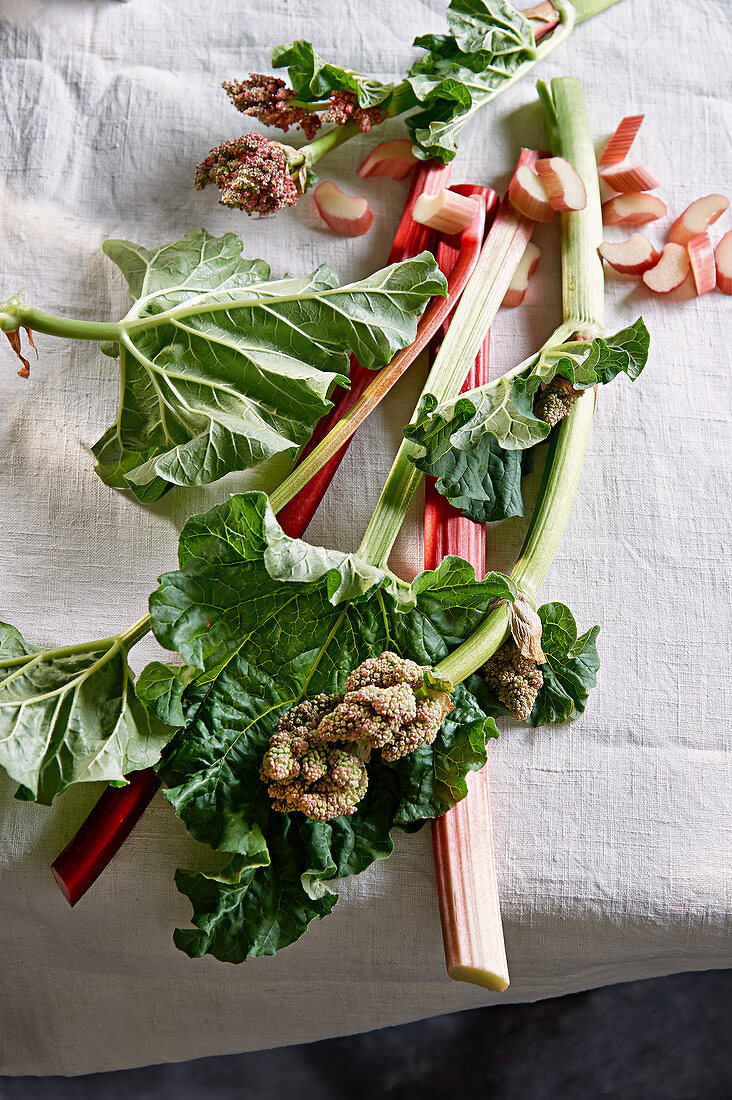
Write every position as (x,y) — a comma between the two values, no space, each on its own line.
(447,211)
(475,976)
(63,885)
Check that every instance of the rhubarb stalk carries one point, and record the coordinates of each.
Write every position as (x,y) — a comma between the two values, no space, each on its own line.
(583,305)
(462,839)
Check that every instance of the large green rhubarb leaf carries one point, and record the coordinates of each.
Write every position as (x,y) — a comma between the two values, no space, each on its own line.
(70,715)
(488,43)
(222,367)
(256,638)
(472,444)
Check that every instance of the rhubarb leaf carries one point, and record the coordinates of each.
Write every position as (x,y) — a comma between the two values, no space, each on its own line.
(222,367)
(314,79)
(472,443)
(571,667)
(71,716)
(484,484)
(489,41)
(256,640)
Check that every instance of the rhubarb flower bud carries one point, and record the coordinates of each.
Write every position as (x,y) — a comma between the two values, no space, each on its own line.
(555,401)
(316,760)
(344,108)
(526,627)
(320,781)
(252,173)
(514,680)
(270,100)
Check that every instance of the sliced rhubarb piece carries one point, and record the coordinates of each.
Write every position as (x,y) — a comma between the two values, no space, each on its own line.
(446,212)
(519,283)
(723,256)
(670,271)
(638,208)
(631,257)
(394,159)
(345,214)
(697,218)
(564,185)
(619,144)
(629,177)
(528,194)
(543,18)
(703,267)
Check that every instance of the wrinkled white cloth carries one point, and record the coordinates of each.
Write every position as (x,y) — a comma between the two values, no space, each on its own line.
(610,833)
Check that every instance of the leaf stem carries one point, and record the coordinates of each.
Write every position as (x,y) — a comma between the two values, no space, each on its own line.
(127,639)
(15,314)
(401,99)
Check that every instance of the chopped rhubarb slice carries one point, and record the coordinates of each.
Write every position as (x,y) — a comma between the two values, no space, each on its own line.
(447,212)
(519,283)
(703,267)
(631,257)
(543,18)
(619,144)
(344,214)
(670,271)
(629,177)
(563,183)
(528,194)
(723,256)
(394,159)
(636,209)
(697,217)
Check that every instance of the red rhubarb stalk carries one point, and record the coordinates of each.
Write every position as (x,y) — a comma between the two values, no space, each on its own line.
(120,808)
(410,239)
(462,839)
(102,834)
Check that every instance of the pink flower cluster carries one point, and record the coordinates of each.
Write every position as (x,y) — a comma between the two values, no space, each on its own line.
(270,100)
(315,759)
(344,108)
(252,174)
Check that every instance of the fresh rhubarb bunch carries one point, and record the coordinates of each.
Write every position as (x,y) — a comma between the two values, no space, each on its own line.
(271,630)
(245,670)
(488,46)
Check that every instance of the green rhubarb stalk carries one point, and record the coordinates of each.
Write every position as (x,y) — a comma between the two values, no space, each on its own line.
(471,319)
(583,288)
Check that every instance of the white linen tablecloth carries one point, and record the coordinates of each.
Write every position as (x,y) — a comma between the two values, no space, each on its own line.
(610,833)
